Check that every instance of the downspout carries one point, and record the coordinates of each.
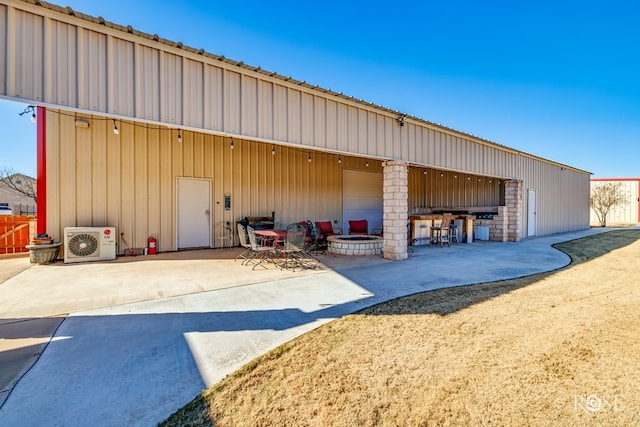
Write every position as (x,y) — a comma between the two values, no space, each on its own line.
(41,179)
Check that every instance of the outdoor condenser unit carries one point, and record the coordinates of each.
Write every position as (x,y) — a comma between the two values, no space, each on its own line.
(89,244)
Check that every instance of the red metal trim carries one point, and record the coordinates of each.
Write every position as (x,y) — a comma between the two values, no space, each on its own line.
(41,183)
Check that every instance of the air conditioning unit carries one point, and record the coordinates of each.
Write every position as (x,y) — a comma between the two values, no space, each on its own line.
(89,244)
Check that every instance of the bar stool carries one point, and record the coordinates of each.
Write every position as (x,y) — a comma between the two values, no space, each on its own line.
(453,233)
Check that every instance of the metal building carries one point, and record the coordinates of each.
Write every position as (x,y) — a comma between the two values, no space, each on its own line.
(157,138)
(626,213)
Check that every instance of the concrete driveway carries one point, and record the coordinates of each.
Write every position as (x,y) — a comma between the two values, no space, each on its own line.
(128,342)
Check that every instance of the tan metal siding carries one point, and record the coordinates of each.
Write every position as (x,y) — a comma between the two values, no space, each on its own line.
(232,109)
(307,120)
(92,71)
(154,193)
(320,122)
(363,140)
(193,93)
(265,109)
(114,178)
(147,96)
(197,90)
(342,128)
(170,88)
(97,178)
(25,55)
(280,112)
(121,77)
(561,196)
(332,125)
(60,55)
(294,116)
(96,154)
(214,103)
(250,106)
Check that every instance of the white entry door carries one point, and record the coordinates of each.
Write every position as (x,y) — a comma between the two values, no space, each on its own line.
(531,213)
(193,213)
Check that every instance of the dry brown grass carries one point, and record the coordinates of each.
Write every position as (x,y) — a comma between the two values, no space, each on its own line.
(554,349)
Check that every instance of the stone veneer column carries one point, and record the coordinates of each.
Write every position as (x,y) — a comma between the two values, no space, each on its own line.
(396,210)
(513,203)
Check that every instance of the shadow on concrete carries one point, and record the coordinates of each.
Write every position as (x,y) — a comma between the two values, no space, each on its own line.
(157,359)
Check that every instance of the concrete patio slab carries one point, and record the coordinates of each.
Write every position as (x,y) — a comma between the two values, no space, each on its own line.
(139,344)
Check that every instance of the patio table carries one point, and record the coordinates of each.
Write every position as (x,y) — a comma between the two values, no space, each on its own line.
(273,237)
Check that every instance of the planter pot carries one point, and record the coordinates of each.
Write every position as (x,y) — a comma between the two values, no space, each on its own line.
(44,254)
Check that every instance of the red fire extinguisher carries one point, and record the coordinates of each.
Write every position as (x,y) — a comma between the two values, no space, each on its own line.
(152,245)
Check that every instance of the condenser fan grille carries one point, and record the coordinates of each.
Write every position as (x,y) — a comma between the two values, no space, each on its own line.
(83,244)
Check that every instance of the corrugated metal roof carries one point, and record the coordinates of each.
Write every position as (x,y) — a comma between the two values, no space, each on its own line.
(179,45)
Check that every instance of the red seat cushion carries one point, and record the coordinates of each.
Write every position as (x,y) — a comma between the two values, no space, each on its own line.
(325,227)
(358,226)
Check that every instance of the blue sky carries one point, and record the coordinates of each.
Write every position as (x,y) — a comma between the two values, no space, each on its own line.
(559,80)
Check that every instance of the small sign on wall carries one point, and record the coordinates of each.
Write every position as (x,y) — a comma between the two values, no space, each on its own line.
(227,201)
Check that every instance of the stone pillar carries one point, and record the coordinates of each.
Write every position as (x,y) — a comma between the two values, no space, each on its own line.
(396,210)
(501,225)
(513,202)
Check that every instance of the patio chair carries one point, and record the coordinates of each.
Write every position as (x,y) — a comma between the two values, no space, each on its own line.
(294,246)
(260,253)
(324,230)
(439,234)
(312,241)
(244,242)
(224,234)
(358,226)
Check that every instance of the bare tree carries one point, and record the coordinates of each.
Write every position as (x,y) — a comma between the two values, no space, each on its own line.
(604,197)
(19,183)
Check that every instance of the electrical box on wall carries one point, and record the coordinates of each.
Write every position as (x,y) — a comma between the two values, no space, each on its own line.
(227,201)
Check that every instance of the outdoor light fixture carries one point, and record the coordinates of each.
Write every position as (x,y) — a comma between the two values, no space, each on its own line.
(367,163)
(441,174)
(115,127)
(30,109)
(455,176)
(401,119)
(425,172)
(273,150)
(232,143)
(309,159)
(339,159)
(179,136)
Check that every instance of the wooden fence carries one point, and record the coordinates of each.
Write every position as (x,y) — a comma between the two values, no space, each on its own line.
(16,231)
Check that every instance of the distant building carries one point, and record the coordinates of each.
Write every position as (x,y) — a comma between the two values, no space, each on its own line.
(18,202)
(627,213)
